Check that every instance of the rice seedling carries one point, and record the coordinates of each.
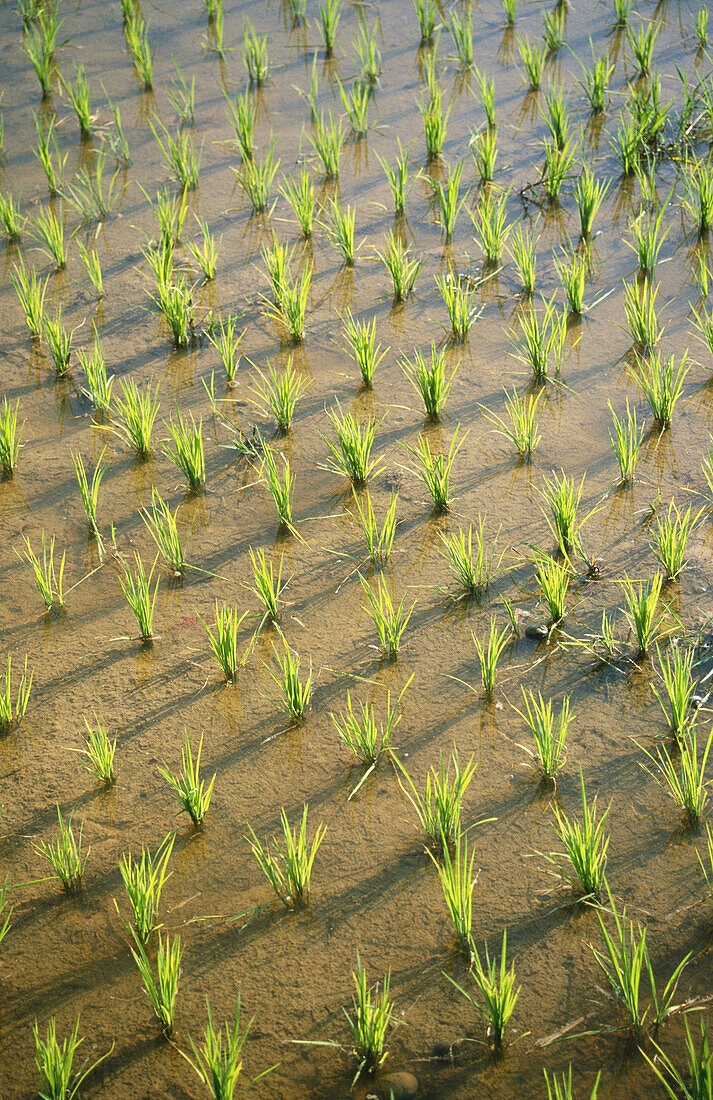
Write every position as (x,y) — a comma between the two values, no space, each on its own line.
(329,15)
(163,990)
(678,683)
(698,195)
(489,224)
(489,651)
(622,10)
(214,38)
(439,807)
(509,7)
(484,150)
(207,256)
(92,263)
(11,711)
(541,340)
(563,498)
(523,425)
(171,216)
(701,27)
(366,738)
(180,155)
(47,579)
(379,542)
(282,490)
(397,178)
(458,884)
(191,791)
(458,299)
(6,920)
(497,988)
(187,453)
(523,250)
(278,395)
(389,618)
(435,470)
(447,200)
(55,1062)
(562,1089)
(704,324)
(663,387)
(327,142)
(473,573)
(183,96)
(366,53)
(553,31)
(300,195)
(533,59)
(267,585)
(549,732)
(641,316)
(435,122)
(341,230)
(242,116)
(294,695)
(227,344)
(47,148)
(64,855)
(29,10)
(641,611)
(288,868)
(9,436)
(427,15)
(58,340)
(627,146)
(81,101)
(144,881)
(218,1062)
(647,242)
(90,493)
(697,1082)
(583,863)
(556,168)
(291,305)
(117,140)
(430,380)
(12,221)
(626,443)
(137,591)
(589,194)
(99,752)
(48,230)
(403,270)
(671,537)
(351,454)
(223,640)
(256,180)
(40,53)
(486,88)
(163,528)
(142,51)
(135,413)
(278,263)
(572,274)
(556,117)
(596,82)
(461,30)
(371,1015)
(642,46)
(356,104)
(553,579)
(361,346)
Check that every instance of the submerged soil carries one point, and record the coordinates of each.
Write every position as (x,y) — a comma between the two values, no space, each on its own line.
(375,891)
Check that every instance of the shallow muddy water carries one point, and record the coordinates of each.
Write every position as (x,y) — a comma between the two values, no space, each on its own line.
(375,891)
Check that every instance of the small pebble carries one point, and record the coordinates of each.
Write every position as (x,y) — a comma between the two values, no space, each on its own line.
(537,631)
(400,1086)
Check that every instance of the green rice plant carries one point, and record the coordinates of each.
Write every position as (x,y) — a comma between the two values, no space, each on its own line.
(458,298)
(137,591)
(549,733)
(163,990)
(136,412)
(191,791)
(622,10)
(563,1089)
(563,498)
(430,380)
(294,695)
(99,752)
(40,53)
(697,1082)
(641,611)
(589,194)
(461,30)
(81,101)
(171,215)
(12,221)
(556,168)
(704,324)
(29,10)
(489,224)
(447,198)
(556,117)
(522,427)
(509,12)
(371,1015)
(489,653)
(255,56)
(701,27)
(626,443)
(678,682)
(584,861)
(47,147)
(523,250)
(64,855)
(282,489)
(218,1061)
(473,573)
(553,31)
(403,270)
(379,542)
(435,122)
(553,579)
(533,59)
(663,387)
(627,146)
(698,194)
(278,263)
(183,96)
(207,256)
(187,453)
(55,1062)
(90,493)
(683,779)
(144,881)
(486,88)
(163,528)
(11,711)
(367,53)
(9,436)
(361,346)
(427,15)
(356,104)
(214,38)
(642,46)
(572,274)
(541,340)
(58,340)
(291,305)
(300,195)
(242,116)
(341,230)
(397,178)
(93,267)
(329,16)
(142,51)
(596,82)
(640,312)
(484,149)
(389,618)
(497,988)
(256,180)
(278,395)
(288,868)
(435,470)
(180,155)
(647,242)
(327,142)
(351,454)
(117,140)
(671,539)
(267,586)
(227,344)
(223,640)
(48,230)
(439,807)
(458,884)
(47,579)
(366,738)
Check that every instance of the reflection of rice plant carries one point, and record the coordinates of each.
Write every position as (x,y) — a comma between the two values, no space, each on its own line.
(497,988)
(161,991)
(12,711)
(99,752)
(439,807)
(371,1015)
(523,425)
(289,868)
(137,590)
(473,572)
(489,652)
(144,881)
(361,346)
(626,443)
(671,538)
(435,469)
(191,791)
(389,618)
(430,380)
(64,855)
(223,640)
(549,732)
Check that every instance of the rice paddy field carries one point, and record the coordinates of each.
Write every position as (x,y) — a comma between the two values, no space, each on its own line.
(355,429)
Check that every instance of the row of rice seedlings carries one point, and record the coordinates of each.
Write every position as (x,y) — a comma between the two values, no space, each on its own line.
(329,16)
(489,652)
(439,807)
(143,52)
(137,590)
(447,199)
(472,572)
(364,736)
(224,339)
(282,489)
(403,269)
(459,300)
(341,230)
(99,752)
(294,695)
(553,578)
(327,142)
(92,264)
(223,640)
(379,541)
(256,180)
(549,732)
(671,539)
(288,868)
(430,380)
(64,855)
(641,611)
(144,880)
(496,984)
(187,453)
(46,577)
(255,57)
(541,340)
(10,437)
(163,528)
(207,256)
(435,470)
(389,618)
(489,224)
(136,411)
(361,346)
(533,58)
(12,710)
(682,775)
(161,990)
(372,1012)
(523,250)
(300,195)
(455,873)
(583,863)
(626,443)
(192,794)
(522,427)
(677,675)
(484,150)
(55,1062)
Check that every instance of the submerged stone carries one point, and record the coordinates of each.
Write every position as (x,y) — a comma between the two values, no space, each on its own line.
(400,1086)
(537,631)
